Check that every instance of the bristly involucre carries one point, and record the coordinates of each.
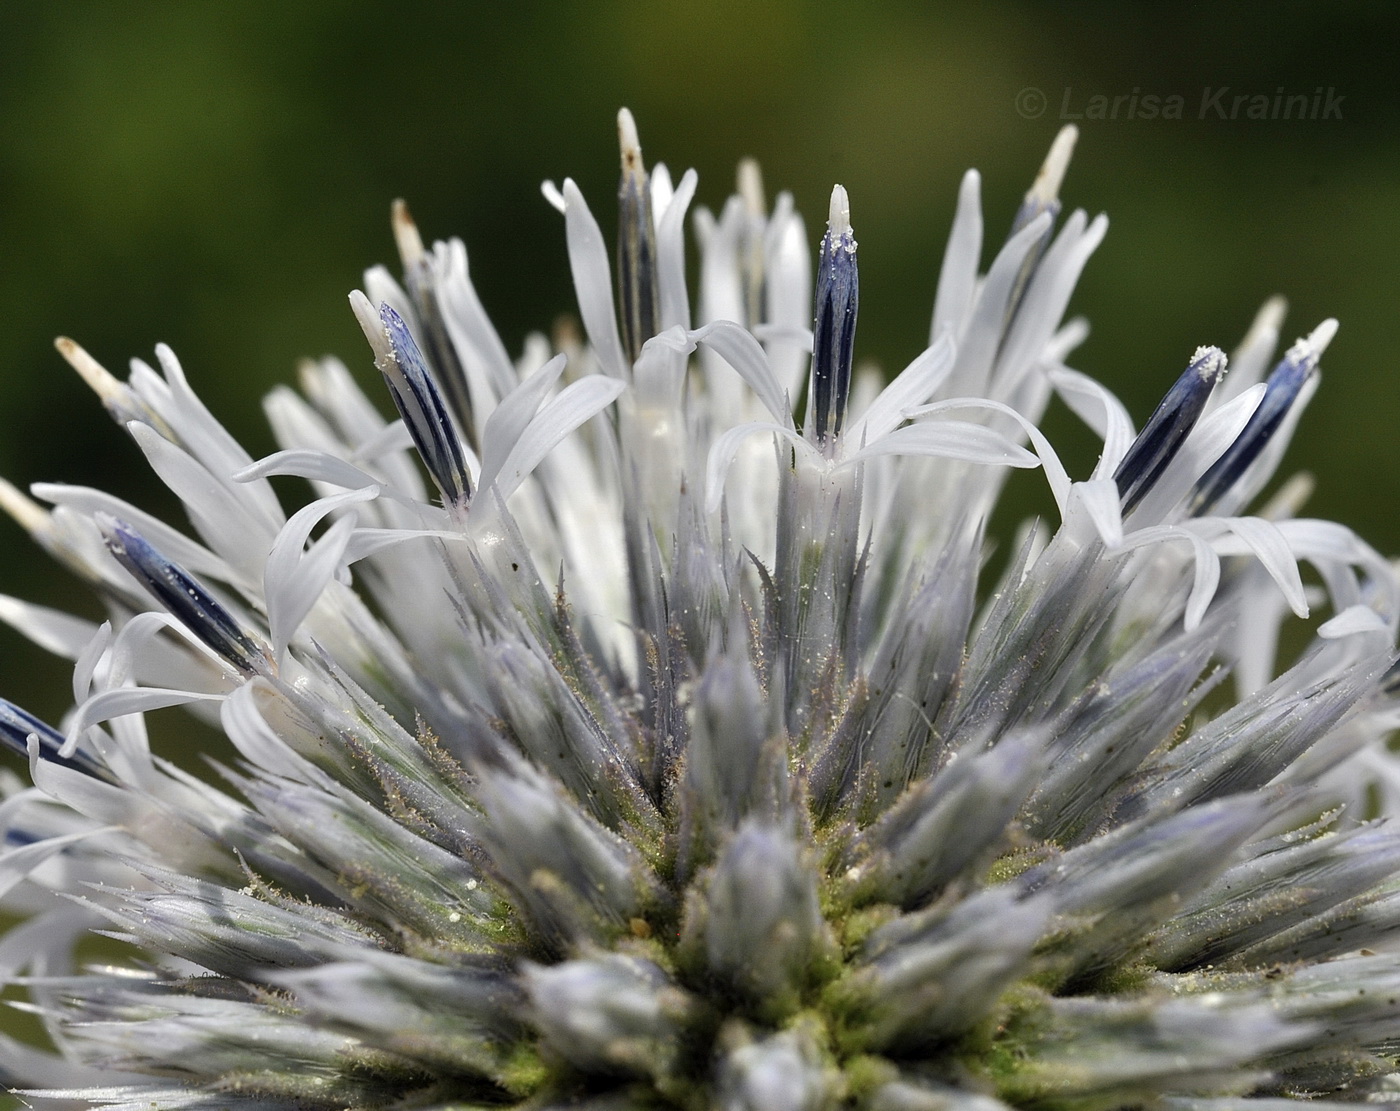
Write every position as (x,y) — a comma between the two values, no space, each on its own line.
(655,738)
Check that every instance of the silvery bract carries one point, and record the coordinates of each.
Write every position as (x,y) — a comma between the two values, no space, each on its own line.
(685,741)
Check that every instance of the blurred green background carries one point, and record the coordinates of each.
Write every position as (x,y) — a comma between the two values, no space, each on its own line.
(216,176)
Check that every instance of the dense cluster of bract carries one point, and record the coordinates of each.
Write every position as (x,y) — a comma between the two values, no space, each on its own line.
(667,752)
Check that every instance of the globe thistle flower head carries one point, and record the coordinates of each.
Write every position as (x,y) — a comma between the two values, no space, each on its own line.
(609,738)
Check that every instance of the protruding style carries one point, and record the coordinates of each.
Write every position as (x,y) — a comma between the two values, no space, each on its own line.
(1042,196)
(102,382)
(120,401)
(417,398)
(1166,430)
(24,510)
(1283,387)
(1044,193)
(188,602)
(834,327)
(636,243)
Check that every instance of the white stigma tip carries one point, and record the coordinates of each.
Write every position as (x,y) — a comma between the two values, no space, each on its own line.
(838,221)
(1046,188)
(406,237)
(553,195)
(749,182)
(101,381)
(371,325)
(628,143)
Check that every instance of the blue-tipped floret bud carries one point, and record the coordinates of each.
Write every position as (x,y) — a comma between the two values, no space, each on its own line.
(1283,387)
(639,307)
(17,726)
(188,602)
(833,342)
(421,282)
(417,398)
(1166,430)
